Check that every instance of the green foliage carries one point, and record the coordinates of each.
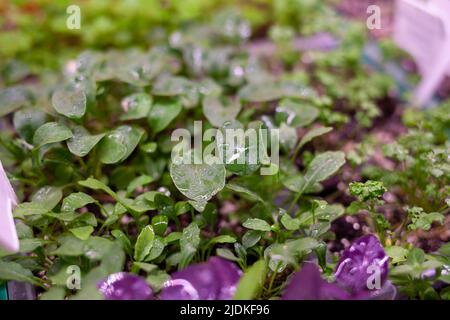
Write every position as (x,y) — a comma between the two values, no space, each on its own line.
(90,155)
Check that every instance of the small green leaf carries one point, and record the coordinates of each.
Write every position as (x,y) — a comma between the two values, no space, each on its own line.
(156,250)
(13,271)
(27,121)
(257,224)
(223,239)
(82,233)
(123,239)
(260,92)
(29,245)
(11,99)
(322,167)
(313,133)
(163,113)
(160,223)
(136,106)
(95,184)
(144,243)
(251,282)
(218,111)
(250,195)
(296,114)
(48,197)
(396,253)
(415,257)
(190,238)
(82,142)
(227,254)
(149,147)
(51,132)
(75,201)
(70,102)
(147,267)
(199,182)
(251,238)
(138,182)
(118,145)
(288,136)
(289,223)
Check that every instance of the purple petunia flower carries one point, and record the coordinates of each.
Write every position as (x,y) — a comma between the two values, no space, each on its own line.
(308,284)
(215,279)
(125,286)
(360,274)
(363,266)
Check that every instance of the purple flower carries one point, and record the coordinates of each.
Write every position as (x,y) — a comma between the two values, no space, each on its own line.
(125,286)
(215,279)
(8,200)
(308,284)
(360,274)
(363,266)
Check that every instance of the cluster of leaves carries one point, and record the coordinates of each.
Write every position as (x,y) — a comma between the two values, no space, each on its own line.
(37,33)
(89,155)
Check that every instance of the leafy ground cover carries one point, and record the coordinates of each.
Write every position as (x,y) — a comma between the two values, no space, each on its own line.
(362,181)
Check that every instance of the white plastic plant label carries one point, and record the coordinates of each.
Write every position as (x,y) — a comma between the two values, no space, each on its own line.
(8,199)
(422,28)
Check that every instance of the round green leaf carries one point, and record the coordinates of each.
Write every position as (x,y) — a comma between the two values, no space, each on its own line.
(136,106)
(199,182)
(218,111)
(51,132)
(118,145)
(70,102)
(82,142)
(27,121)
(163,113)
